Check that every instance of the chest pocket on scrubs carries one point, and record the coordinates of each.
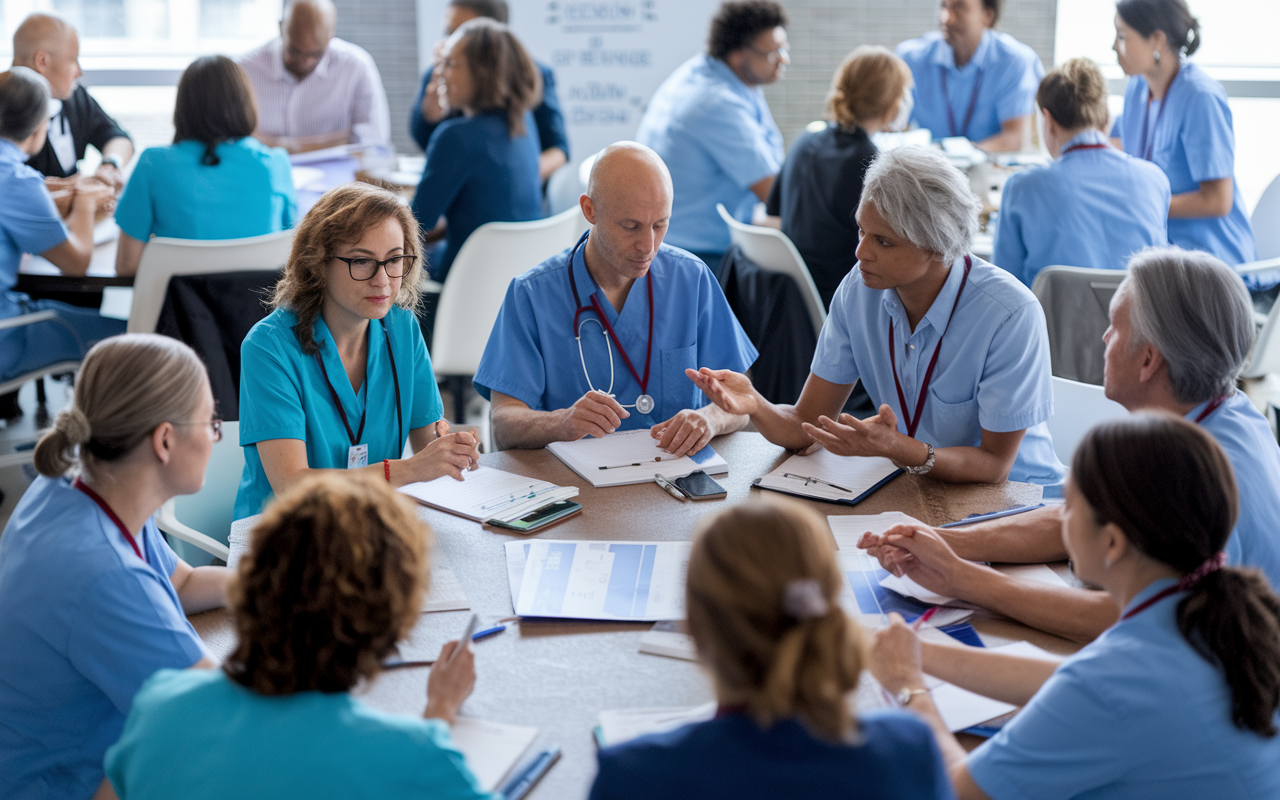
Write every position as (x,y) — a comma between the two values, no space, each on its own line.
(676,386)
(956,423)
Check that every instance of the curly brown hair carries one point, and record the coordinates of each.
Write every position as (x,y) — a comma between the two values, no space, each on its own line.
(342,216)
(335,576)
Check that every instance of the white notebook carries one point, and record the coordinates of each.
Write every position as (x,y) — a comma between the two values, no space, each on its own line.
(446,592)
(488,493)
(825,476)
(669,639)
(630,457)
(491,748)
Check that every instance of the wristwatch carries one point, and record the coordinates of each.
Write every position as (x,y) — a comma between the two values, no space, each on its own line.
(113,160)
(926,466)
(904,695)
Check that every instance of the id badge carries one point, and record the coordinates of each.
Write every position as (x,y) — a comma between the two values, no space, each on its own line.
(358,456)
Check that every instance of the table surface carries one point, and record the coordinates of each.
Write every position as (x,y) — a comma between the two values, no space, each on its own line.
(559,675)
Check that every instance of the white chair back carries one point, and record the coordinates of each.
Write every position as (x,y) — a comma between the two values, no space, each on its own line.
(1077,407)
(487,262)
(563,189)
(773,251)
(163,258)
(1266,222)
(203,519)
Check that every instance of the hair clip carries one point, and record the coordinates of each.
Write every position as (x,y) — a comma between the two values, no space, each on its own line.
(804,599)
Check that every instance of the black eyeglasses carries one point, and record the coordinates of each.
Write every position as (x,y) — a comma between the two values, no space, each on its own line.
(363,269)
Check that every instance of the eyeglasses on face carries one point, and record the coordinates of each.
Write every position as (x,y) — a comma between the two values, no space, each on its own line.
(215,425)
(773,56)
(363,269)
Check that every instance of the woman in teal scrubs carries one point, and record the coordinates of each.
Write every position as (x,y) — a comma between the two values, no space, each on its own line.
(338,376)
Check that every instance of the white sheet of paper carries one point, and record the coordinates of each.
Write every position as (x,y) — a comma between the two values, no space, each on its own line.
(587,456)
(1032,572)
(669,639)
(848,528)
(488,493)
(625,724)
(907,587)
(962,709)
(491,748)
(446,592)
(577,580)
(855,474)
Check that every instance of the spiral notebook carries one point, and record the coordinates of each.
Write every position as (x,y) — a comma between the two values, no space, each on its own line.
(826,476)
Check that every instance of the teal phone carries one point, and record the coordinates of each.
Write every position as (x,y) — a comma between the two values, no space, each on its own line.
(540,518)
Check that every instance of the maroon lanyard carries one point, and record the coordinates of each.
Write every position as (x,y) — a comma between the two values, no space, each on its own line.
(1212,407)
(1074,148)
(973,103)
(1150,601)
(595,305)
(106,509)
(913,422)
(1145,151)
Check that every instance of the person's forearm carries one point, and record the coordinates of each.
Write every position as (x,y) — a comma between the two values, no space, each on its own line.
(955,464)
(80,237)
(720,421)
(1003,142)
(550,160)
(781,424)
(204,588)
(1007,678)
(952,753)
(1213,199)
(516,428)
(1076,614)
(120,147)
(1030,538)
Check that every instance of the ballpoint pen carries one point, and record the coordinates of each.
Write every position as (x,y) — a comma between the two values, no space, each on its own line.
(810,479)
(639,463)
(671,488)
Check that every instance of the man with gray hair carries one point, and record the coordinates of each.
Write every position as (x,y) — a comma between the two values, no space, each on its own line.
(599,338)
(1181,330)
(952,349)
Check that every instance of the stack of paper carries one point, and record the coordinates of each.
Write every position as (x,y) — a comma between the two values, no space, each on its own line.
(636,581)
(826,476)
(628,723)
(491,748)
(631,457)
(446,592)
(669,639)
(960,708)
(489,494)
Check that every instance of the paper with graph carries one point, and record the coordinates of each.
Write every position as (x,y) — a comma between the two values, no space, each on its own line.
(637,581)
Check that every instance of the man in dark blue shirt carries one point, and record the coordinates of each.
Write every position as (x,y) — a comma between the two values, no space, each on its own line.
(427,113)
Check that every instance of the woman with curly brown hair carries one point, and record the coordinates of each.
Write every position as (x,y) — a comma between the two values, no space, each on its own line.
(318,368)
(762,598)
(333,579)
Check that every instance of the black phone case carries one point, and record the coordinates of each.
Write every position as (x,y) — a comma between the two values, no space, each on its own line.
(691,483)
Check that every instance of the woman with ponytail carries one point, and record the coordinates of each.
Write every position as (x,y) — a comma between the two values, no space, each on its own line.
(762,599)
(1178,700)
(92,600)
(215,181)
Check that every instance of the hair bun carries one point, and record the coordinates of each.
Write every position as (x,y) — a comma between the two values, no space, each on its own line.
(74,425)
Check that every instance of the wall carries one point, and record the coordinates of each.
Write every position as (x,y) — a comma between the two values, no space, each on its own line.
(822,32)
(388,29)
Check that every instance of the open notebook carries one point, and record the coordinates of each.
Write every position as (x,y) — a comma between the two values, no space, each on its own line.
(488,493)
(631,457)
(825,476)
(491,748)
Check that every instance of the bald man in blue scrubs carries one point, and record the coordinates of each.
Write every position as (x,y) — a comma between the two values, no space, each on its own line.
(597,339)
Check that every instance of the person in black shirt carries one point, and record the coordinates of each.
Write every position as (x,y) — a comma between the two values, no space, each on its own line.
(821,181)
(50,46)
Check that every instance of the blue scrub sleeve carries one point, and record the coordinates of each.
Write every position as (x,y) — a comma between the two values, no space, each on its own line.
(549,119)
(31,218)
(1018,83)
(270,397)
(282,185)
(1208,138)
(134,213)
(427,405)
(512,362)
(833,359)
(1016,387)
(446,171)
(1067,740)
(127,627)
(732,136)
(419,128)
(1010,249)
(1117,132)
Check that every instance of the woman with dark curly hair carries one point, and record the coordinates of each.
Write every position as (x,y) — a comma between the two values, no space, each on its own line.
(335,576)
(342,349)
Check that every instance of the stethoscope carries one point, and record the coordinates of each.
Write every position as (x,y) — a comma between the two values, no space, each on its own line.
(644,403)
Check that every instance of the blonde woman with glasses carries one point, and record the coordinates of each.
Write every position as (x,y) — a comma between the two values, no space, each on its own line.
(338,376)
(92,600)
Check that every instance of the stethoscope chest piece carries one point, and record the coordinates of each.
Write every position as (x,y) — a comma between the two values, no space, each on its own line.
(644,404)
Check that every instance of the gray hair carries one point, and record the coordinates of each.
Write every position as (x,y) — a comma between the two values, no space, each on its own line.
(1195,310)
(24,102)
(924,199)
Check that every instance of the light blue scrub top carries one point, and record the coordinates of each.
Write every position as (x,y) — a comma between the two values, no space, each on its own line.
(1090,208)
(992,374)
(253,747)
(83,622)
(532,356)
(283,395)
(1194,142)
(1137,714)
(718,138)
(170,193)
(29,222)
(1008,73)
(1246,437)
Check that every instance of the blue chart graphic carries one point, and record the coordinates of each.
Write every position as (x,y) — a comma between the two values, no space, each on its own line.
(872,598)
(627,594)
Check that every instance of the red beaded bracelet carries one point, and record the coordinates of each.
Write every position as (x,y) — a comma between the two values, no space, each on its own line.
(386,468)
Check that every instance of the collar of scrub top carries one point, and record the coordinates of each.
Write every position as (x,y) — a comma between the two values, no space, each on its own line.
(607,328)
(1092,139)
(754,94)
(945,58)
(111,515)
(1147,149)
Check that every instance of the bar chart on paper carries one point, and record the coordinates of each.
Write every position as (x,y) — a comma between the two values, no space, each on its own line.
(598,580)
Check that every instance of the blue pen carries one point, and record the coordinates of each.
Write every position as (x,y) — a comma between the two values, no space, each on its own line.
(1008,512)
(487,632)
(531,774)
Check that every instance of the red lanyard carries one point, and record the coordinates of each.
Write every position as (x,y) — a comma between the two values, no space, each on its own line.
(1212,407)
(1074,148)
(914,422)
(1150,601)
(595,305)
(106,509)
(1145,151)
(973,103)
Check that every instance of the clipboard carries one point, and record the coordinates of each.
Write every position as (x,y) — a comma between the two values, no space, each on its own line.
(824,476)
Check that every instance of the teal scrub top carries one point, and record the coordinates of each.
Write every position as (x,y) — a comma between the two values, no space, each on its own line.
(283,395)
(170,193)
(253,747)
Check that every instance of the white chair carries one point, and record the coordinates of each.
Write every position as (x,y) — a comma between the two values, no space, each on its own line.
(1076,303)
(163,258)
(203,519)
(1266,222)
(1077,407)
(15,383)
(771,250)
(488,260)
(1266,350)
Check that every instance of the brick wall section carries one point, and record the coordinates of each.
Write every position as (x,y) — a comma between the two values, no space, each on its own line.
(388,29)
(822,32)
